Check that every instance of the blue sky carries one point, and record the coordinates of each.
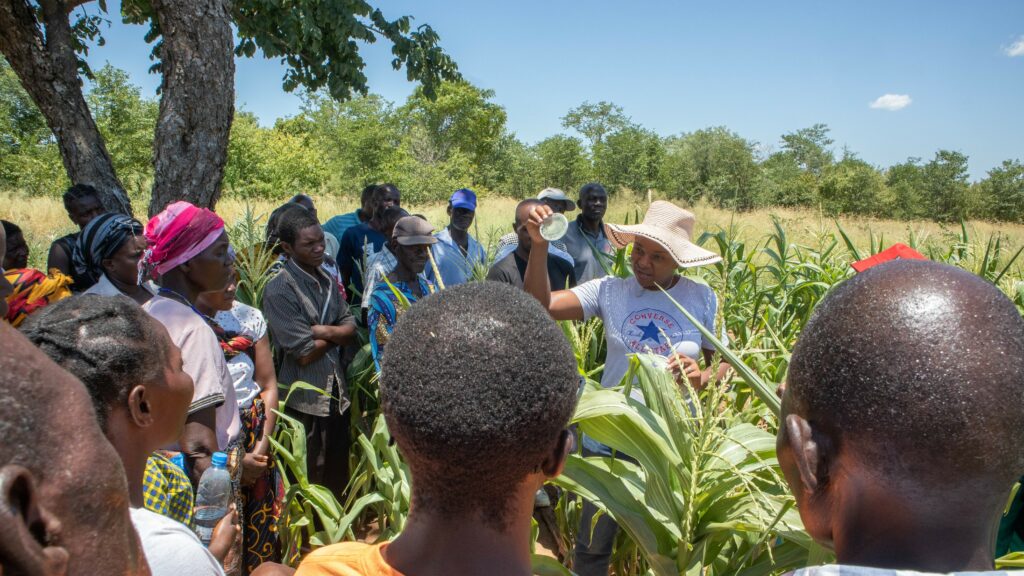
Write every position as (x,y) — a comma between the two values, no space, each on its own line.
(759,68)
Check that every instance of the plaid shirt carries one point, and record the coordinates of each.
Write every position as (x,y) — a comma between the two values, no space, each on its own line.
(166,490)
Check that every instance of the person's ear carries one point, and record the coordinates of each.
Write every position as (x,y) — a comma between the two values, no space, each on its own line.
(810,453)
(449,208)
(554,462)
(26,527)
(140,407)
(107,264)
(286,247)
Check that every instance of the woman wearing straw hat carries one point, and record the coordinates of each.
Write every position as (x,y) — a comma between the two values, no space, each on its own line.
(638,318)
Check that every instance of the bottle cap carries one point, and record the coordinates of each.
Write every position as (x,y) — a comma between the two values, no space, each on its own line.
(220,459)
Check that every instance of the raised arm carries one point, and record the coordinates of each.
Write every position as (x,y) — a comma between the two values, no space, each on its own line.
(561,304)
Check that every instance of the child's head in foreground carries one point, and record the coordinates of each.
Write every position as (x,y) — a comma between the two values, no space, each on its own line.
(903,416)
(478,385)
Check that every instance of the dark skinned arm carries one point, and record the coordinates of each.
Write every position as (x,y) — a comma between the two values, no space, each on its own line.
(320,347)
(267,380)
(561,304)
(199,441)
(58,259)
(327,337)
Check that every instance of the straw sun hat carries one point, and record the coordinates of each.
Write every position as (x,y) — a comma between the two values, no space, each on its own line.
(670,227)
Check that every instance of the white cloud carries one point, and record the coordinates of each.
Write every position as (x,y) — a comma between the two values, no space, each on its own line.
(1016,49)
(892,102)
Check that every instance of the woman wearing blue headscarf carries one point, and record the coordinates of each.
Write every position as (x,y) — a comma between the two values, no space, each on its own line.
(108,251)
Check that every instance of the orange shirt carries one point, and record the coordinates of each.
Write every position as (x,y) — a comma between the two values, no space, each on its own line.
(347,559)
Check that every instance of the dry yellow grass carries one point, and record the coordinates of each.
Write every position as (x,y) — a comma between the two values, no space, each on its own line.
(44,220)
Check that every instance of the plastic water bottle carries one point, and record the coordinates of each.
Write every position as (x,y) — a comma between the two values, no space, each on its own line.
(213,497)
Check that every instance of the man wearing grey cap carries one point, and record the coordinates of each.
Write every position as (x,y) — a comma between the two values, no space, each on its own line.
(559,202)
(404,285)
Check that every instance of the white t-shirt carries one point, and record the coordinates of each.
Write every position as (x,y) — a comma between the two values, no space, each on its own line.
(204,362)
(243,320)
(638,320)
(171,548)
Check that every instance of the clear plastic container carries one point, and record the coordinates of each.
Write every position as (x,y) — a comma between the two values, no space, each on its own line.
(213,497)
(554,227)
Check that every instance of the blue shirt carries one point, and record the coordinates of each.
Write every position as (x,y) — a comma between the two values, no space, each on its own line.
(336,226)
(455,266)
(357,243)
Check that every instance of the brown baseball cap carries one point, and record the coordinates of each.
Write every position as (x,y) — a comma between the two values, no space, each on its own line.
(413,231)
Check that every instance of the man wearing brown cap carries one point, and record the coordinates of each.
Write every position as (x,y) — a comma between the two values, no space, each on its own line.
(410,243)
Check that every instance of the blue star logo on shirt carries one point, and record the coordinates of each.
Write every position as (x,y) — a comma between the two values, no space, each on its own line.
(650,332)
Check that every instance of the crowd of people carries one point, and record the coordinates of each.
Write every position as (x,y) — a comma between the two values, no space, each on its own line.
(133,363)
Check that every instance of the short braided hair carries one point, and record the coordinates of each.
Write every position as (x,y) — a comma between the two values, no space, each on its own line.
(109,343)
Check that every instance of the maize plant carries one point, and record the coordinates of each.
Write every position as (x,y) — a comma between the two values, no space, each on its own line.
(704,496)
(254,258)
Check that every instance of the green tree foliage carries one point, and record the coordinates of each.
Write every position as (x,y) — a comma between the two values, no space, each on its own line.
(714,164)
(127,121)
(595,121)
(359,138)
(562,162)
(810,148)
(512,170)
(270,162)
(460,119)
(319,41)
(786,183)
(1004,189)
(945,186)
(906,185)
(852,186)
(29,159)
(630,158)
(430,147)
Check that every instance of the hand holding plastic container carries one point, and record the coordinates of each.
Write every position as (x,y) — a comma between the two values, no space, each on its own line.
(554,227)
(213,497)
(685,348)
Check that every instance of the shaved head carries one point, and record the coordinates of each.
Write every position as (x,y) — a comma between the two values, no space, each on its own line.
(63,482)
(919,369)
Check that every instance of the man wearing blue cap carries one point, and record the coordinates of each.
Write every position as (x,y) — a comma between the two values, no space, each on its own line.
(457,253)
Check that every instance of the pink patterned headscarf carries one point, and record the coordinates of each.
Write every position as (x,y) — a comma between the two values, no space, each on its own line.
(177,235)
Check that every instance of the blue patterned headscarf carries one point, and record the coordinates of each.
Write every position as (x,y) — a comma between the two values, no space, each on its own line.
(101,239)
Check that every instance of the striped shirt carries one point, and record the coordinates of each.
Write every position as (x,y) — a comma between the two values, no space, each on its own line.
(294,302)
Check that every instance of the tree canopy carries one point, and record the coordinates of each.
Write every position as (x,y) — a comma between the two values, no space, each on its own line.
(45,44)
(430,147)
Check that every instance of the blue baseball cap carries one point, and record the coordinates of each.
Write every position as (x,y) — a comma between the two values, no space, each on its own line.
(463,198)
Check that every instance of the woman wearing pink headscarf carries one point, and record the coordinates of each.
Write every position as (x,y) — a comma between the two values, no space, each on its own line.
(188,253)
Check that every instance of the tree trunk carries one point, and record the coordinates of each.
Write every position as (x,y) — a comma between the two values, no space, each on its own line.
(197,103)
(48,70)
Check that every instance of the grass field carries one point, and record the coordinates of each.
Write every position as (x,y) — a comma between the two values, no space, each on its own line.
(44,219)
